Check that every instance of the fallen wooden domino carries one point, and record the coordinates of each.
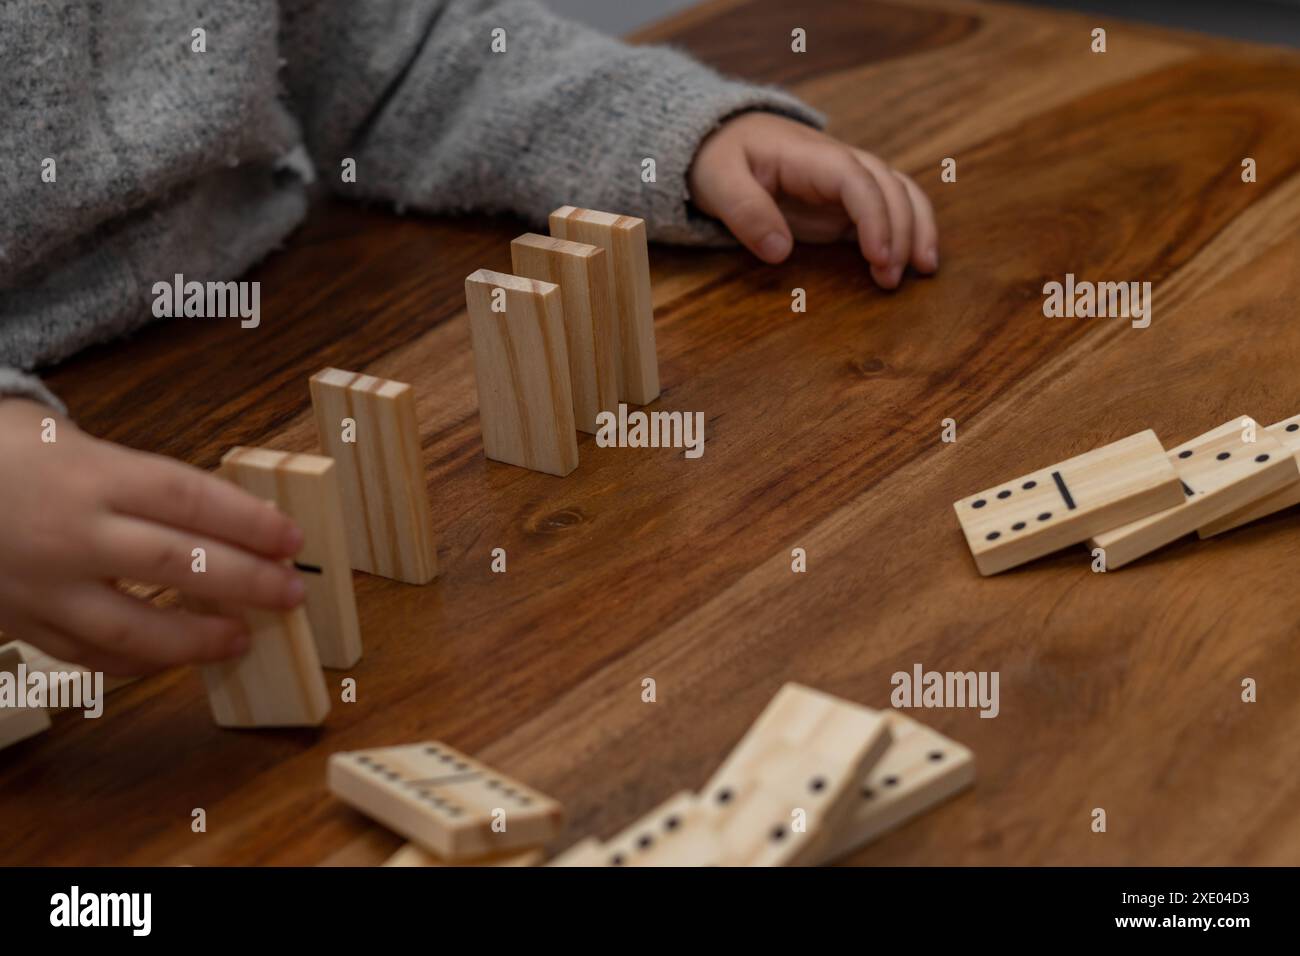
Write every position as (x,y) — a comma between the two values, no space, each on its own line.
(412,855)
(792,782)
(1067,503)
(277,682)
(1219,472)
(444,801)
(579,270)
(1287,432)
(627,262)
(305,488)
(521,370)
(55,670)
(678,832)
(368,426)
(920,769)
(17,720)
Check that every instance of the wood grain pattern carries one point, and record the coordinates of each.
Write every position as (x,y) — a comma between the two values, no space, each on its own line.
(521,371)
(1119,690)
(579,270)
(385,504)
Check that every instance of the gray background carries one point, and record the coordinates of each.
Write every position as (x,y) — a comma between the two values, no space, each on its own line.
(1269,21)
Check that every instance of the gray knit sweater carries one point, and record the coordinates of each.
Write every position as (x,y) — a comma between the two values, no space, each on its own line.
(167,160)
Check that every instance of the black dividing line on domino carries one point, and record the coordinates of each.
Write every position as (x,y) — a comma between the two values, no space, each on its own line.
(1065,492)
(1187,489)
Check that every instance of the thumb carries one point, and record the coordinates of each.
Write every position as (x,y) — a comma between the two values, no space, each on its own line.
(748,210)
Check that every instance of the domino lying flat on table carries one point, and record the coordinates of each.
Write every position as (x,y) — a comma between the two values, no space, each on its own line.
(1219,472)
(1065,504)
(1287,432)
(446,802)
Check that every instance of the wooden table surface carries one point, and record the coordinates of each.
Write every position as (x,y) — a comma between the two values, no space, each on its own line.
(1118,690)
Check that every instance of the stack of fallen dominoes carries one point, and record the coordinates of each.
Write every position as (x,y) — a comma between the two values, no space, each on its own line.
(1131,497)
(568,336)
(814,778)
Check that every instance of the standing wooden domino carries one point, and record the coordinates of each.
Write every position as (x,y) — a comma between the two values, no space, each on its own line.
(678,832)
(579,270)
(627,261)
(1287,432)
(521,368)
(1064,504)
(367,425)
(1219,472)
(920,769)
(448,803)
(17,722)
(305,487)
(791,782)
(278,681)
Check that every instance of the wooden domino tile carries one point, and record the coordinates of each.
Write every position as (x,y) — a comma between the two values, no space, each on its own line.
(380,473)
(1064,504)
(444,801)
(305,487)
(412,855)
(807,751)
(1287,432)
(920,769)
(18,723)
(1219,473)
(579,270)
(627,261)
(586,852)
(521,368)
(38,660)
(678,832)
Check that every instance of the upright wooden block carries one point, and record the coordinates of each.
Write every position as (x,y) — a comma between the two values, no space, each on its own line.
(790,784)
(1287,432)
(448,803)
(627,260)
(579,270)
(521,366)
(1064,504)
(278,681)
(305,487)
(381,478)
(921,769)
(18,722)
(1219,473)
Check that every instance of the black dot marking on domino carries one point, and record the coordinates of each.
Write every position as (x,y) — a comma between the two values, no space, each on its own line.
(1029,485)
(447,758)
(1018,526)
(935,755)
(724,795)
(1045,516)
(645,841)
(978,503)
(891,781)
(1223,455)
(431,750)
(616,860)
(1261,458)
(993,535)
(868,793)
(778,833)
(1187,453)
(817,784)
(1293,427)
(672,823)
(1006,493)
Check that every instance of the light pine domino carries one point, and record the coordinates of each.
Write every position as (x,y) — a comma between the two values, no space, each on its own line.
(18,723)
(1064,504)
(446,802)
(305,487)
(920,769)
(678,832)
(627,260)
(808,752)
(380,474)
(412,855)
(579,270)
(1287,432)
(521,369)
(1219,473)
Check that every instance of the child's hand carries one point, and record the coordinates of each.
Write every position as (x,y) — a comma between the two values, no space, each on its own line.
(79,513)
(766,176)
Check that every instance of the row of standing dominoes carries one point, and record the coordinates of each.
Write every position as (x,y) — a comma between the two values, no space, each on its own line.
(361,506)
(1132,497)
(569,335)
(813,779)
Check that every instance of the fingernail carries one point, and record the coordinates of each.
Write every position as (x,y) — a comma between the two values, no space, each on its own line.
(774,247)
(295,591)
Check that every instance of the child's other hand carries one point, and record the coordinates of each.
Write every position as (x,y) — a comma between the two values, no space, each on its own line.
(772,180)
(79,513)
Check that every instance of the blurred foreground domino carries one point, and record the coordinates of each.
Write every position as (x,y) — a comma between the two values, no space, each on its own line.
(1065,504)
(17,722)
